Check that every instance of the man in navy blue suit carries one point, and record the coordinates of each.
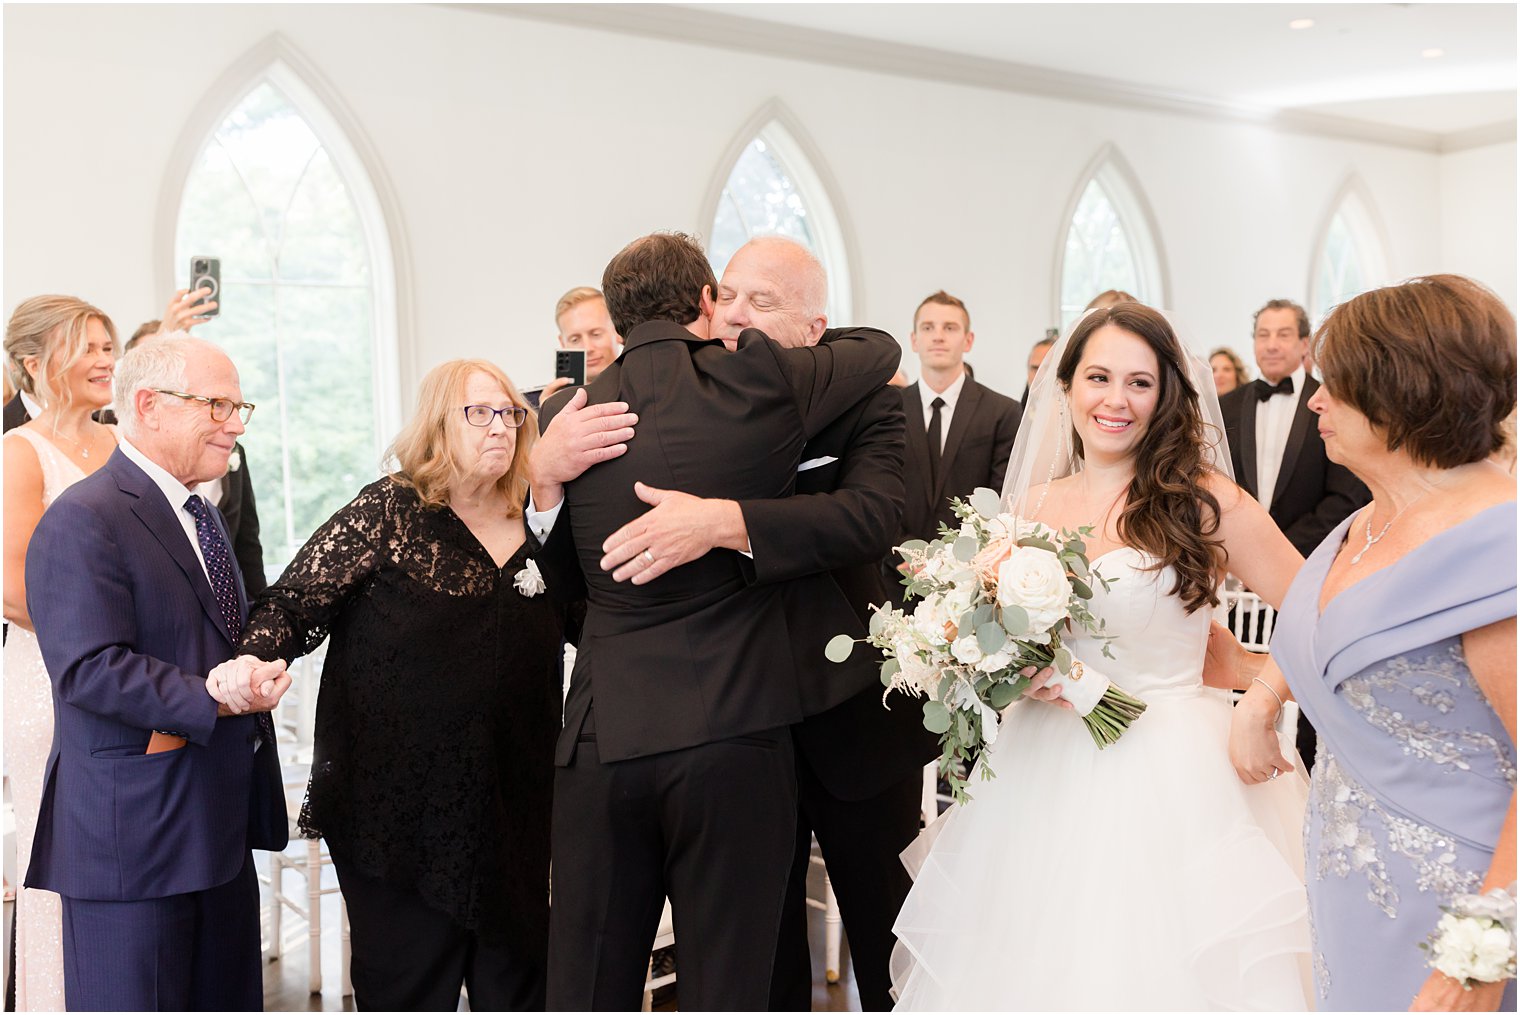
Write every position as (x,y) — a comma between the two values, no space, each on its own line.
(163,771)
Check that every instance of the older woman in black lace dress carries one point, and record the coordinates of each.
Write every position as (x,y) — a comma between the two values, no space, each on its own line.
(439,705)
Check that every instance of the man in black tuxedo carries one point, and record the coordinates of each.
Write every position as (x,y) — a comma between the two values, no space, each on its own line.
(676,770)
(960,433)
(859,766)
(1276,449)
(17,411)
(1275,445)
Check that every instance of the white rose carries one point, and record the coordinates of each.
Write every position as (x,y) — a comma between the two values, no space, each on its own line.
(1035,580)
(997,661)
(913,672)
(929,619)
(967,650)
(958,601)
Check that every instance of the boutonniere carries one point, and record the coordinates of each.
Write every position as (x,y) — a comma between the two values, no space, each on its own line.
(530,580)
(234,461)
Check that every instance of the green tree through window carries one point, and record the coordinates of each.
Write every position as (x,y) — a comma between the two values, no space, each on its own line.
(265,196)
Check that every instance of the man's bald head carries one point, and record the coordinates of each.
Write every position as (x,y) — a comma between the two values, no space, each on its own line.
(777,285)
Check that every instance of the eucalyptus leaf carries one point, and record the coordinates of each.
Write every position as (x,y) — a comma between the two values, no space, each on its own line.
(1081,588)
(936,717)
(966,624)
(1077,564)
(991,637)
(889,669)
(1016,621)
(1062,661)
(1076,545)
(982,614)
(914,545)
(878,622)
(985,501)
(962,726)
(965,548)
(839,648)
(1004,694)
(1038,542)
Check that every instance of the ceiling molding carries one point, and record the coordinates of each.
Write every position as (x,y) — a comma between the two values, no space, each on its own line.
(1478,137)
(749,35)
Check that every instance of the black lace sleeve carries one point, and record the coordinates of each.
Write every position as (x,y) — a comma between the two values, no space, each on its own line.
(292,617)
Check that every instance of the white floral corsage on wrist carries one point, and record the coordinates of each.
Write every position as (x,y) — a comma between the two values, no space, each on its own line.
(1475,940)
(530,580)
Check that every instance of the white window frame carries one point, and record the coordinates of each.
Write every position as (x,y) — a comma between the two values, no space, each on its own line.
(799,158)
(1122,188)
(1352,204)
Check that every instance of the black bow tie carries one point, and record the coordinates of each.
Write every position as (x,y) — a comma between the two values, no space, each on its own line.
(1265,391)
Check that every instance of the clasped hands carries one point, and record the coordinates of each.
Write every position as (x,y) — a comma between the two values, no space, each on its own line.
(248,684)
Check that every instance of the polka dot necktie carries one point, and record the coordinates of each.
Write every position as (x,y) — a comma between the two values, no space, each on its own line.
(223,582)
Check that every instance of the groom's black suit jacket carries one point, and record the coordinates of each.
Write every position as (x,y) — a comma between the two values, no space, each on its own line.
(1313,494)
(704,653)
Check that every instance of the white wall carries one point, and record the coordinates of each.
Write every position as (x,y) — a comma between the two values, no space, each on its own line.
(522,155)
(1478,216)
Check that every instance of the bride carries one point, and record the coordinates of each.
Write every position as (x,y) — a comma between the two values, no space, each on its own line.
(1146,876)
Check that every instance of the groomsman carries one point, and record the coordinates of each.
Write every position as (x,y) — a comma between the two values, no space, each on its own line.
(1275,445)
(583,323)
(960,432)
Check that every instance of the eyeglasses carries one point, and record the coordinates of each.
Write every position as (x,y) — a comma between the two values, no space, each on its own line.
(221,408)
(513,416)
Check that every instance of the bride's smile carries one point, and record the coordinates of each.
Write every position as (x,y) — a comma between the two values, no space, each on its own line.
(1114,392)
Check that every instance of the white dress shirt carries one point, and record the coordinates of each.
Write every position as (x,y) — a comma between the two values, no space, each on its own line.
(951,395)
(32,406)
(175,492)
(1274,418)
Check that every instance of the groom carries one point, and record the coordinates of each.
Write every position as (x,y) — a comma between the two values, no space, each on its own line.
(675,764)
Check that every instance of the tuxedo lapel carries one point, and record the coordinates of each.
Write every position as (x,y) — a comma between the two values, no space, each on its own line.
(1245,432)
(1303,419)
(159,518)
(960,422)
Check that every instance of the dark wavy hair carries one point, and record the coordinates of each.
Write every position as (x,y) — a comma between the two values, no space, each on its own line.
(1170,512)
(659,277)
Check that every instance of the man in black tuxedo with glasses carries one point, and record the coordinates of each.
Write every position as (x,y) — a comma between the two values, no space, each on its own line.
(676,773)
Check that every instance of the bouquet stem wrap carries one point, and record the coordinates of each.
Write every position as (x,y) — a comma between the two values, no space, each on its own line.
(1106,709)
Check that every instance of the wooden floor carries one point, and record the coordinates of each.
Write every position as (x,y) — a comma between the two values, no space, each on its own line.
(286,985)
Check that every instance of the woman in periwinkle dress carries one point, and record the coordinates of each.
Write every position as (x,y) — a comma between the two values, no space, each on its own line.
(1398,640)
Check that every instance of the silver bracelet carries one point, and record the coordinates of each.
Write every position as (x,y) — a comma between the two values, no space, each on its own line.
(1274,693)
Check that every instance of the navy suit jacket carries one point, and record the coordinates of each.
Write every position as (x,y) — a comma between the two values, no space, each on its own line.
(129,629)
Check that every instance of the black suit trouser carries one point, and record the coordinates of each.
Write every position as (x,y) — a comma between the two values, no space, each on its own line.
(711,827)
(410,956)
(861,841)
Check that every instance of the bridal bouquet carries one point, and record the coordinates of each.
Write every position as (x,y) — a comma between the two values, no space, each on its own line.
(994,597)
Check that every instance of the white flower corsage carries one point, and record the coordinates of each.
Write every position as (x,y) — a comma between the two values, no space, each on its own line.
(234,461)
(1475,941)
(530,580)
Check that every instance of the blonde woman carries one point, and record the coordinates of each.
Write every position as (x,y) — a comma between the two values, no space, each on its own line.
(1229,370)
(439,704)
(59,351)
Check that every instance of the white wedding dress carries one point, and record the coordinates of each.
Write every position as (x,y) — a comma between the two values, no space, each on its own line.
(1145,876)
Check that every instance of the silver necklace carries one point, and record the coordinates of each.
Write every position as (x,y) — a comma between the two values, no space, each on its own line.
(84,451)
(1374,540)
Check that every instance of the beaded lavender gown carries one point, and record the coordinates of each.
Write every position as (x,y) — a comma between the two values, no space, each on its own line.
(1415,770)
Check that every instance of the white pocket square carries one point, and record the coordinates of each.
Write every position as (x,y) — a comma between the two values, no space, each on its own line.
(814,463)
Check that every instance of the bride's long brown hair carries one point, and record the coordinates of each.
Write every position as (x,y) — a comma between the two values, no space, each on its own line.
(1170,512)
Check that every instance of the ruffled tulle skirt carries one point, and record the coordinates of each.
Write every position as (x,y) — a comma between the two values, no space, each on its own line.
(1142,877)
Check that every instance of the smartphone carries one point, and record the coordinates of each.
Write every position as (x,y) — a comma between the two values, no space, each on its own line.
(206,273)
(570,363)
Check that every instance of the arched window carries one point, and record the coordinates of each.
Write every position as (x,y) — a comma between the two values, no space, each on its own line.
(773,188)
(1348,259)
(307,300)
(1109,243)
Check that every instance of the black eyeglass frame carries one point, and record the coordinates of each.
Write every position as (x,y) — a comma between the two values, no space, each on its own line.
(508,415)
(244,409)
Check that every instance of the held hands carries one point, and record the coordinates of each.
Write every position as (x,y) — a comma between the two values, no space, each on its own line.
(248,684)
(183,313)
(677,530)
(579,437)
(1255,750)
(553,386)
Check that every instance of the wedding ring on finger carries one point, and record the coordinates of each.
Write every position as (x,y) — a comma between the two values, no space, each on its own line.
(648,557)
(1274,774)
